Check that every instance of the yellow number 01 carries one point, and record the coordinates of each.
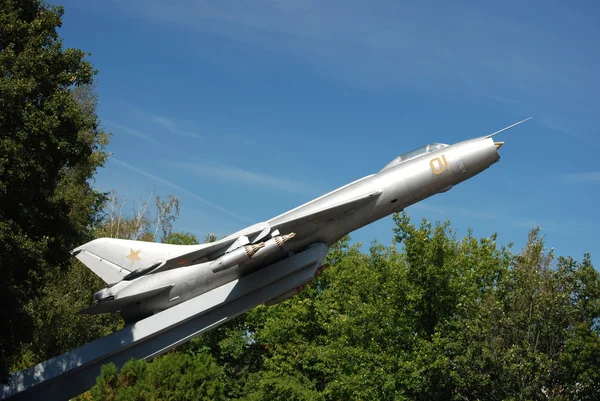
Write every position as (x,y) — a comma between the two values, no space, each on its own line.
(439,165)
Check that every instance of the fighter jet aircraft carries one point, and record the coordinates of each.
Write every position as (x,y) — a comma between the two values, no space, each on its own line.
(145,278)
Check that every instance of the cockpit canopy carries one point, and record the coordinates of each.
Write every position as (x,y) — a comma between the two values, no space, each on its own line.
(432,147)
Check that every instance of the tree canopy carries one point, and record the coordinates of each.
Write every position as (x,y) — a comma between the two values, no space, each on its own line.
(50,147)
(432,317)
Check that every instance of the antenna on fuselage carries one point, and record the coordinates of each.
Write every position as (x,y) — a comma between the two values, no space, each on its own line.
(509,127)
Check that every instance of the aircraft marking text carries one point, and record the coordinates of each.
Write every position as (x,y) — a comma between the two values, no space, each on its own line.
(439,165)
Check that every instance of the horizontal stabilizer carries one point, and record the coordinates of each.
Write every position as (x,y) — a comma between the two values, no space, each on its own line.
(106,270)
(119,303)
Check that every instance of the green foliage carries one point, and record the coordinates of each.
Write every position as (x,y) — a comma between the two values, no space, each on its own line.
(210,237)
(180,238)
(436,318)
(171,377)
(57,325)
(270,386)
(50,147)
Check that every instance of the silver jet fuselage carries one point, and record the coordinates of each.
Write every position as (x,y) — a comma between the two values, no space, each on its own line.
(400,184)
(145,278)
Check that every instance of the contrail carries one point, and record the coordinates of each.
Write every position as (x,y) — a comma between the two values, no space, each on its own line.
(177,187)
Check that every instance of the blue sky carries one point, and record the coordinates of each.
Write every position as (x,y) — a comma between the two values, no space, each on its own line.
(245,109)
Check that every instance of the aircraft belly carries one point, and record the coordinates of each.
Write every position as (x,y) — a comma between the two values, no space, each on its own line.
(188,286)
(191,281)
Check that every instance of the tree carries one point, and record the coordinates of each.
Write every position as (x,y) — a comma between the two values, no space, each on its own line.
(210,237)
(431,317)
(50,148)
(275,387)
(180,238)
(57,325)
(138,224)
(173,376)
(167,212)
(435,318)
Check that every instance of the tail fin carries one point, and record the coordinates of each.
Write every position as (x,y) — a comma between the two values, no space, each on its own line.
(112,259)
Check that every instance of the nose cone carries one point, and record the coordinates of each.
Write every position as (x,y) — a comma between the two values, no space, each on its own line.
(478,154)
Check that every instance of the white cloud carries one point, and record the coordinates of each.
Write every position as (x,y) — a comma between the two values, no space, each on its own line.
(162,122)
(178,188)
(215,170)
(132,131)
(428,208)
(450,210)
(545,225)
(583,177)
(486,214)
(170,126)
